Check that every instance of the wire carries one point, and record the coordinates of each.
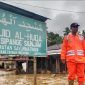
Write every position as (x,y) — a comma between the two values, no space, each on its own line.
(48,8)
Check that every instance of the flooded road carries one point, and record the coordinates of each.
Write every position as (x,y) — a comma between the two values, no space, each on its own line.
(42,79)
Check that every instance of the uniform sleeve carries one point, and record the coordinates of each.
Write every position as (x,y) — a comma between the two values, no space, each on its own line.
(84,46)
(64,48)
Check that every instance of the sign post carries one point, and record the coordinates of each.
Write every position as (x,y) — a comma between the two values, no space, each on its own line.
(20,35)
(35,71)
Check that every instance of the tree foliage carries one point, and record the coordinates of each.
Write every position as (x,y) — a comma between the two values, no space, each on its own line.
(83,33)
(67,30)
(56,38)
(53,38)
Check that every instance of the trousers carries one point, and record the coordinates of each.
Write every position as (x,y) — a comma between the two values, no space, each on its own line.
(75,69)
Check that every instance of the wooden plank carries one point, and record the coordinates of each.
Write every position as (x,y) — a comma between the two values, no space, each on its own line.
(35,71)
(16,59)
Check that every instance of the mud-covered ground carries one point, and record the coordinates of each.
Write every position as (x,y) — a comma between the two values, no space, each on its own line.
(42,79)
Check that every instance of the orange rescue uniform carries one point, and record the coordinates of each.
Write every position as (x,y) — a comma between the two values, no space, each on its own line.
(73,51)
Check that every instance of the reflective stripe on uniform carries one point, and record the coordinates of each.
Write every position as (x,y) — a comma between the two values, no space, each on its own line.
(70,52)
(80,52)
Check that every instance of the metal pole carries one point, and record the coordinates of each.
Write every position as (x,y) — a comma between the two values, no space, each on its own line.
(35,73)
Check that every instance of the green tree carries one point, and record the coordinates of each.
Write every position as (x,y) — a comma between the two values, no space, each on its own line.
(83,33)
(67,30)
(53,38)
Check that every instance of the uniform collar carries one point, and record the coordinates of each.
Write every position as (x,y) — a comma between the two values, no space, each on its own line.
(73,35)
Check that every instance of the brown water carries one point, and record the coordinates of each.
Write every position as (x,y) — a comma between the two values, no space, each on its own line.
(42,79)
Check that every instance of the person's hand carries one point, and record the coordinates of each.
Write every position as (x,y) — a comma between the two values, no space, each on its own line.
(63,61)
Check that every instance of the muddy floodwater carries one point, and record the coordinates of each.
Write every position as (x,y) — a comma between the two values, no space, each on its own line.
(42,79)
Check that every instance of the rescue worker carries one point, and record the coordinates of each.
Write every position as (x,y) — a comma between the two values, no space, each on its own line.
(73,53)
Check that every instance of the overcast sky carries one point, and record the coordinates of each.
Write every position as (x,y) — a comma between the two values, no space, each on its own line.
(60,12)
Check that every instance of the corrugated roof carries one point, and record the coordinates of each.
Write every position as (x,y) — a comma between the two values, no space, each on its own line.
(53,52)
(22,12)
(54,47)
